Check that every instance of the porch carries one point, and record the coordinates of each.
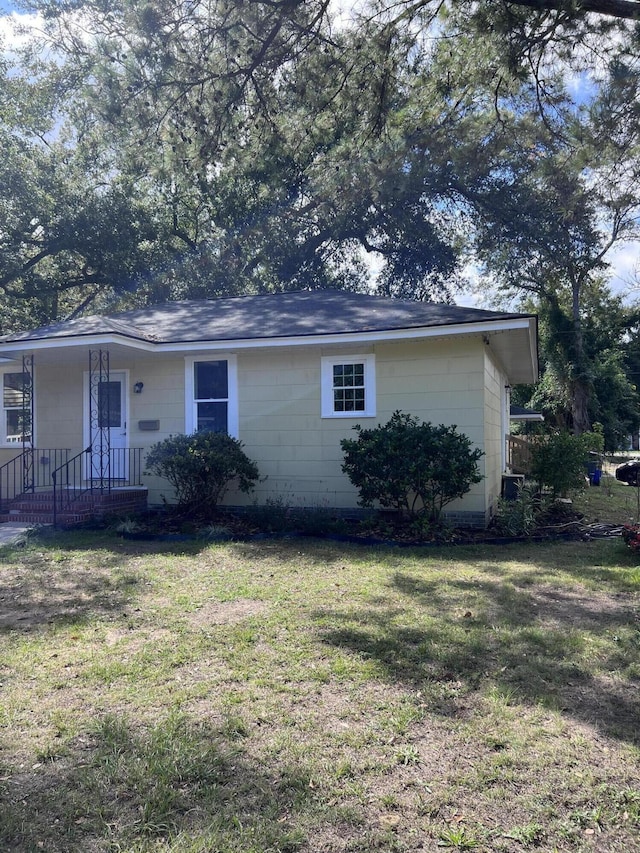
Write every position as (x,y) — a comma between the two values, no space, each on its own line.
(62,487)
(518,454)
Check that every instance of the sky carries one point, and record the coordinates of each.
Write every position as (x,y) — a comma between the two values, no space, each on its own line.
(9,14)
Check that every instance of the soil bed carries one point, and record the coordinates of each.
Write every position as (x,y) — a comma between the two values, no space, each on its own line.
(560,522)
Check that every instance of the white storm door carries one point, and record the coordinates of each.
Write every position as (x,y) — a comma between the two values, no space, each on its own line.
(106,427)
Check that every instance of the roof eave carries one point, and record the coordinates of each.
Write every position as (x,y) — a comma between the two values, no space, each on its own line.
(525,324)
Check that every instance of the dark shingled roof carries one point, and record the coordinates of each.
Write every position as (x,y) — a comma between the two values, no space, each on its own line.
(278,315)
(520,413)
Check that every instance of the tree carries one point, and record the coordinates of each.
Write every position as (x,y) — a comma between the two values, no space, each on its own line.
(263,132)
(629,9)
(560,462)
(607,325)
(68,231)
(278,149)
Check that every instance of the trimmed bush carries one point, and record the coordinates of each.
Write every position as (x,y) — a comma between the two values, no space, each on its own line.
(413,467)
(558,462)
(201,467)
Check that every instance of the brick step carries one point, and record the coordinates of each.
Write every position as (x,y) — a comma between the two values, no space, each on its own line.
(42,510)
(47,518)
(39,497)
(31,506)
(87,498)
(37,507)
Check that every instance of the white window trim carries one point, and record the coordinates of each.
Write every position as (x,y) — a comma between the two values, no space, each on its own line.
(190,406)
(326,369)
(15,445)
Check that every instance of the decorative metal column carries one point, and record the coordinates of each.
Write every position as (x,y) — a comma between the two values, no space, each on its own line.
(99,450)
(27,425)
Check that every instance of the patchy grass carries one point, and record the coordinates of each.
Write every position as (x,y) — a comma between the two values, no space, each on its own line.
(309,696)
(611,502)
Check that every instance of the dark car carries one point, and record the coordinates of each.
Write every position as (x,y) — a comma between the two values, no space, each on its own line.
(629,473)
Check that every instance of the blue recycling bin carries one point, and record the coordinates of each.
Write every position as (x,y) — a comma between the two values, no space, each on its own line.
(594,471)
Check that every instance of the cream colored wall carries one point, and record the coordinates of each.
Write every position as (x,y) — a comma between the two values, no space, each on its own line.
(299,452)
(442,381)
(494,430)
(9,453)
(162,398)
(60,403)
(439,381)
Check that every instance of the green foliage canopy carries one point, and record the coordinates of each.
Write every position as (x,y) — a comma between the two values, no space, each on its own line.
(226,147)
(559,461)
(279,147)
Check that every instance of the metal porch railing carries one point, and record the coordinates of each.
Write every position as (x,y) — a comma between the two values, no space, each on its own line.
(29,471)
(75,477)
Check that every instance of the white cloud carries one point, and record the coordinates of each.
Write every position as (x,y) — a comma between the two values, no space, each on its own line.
(624,261)
(16,29)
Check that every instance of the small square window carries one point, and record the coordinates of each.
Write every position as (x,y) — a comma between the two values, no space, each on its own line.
(348,387)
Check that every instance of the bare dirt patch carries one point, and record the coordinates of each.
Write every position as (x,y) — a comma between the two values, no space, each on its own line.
(40,597)
(591,610)
(225,612)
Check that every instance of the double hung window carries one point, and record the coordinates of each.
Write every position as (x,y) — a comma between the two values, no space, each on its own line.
(211,396)
(348,387)
(16,408)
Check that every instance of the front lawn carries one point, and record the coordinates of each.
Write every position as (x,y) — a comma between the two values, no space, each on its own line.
(309,696)
(611,502)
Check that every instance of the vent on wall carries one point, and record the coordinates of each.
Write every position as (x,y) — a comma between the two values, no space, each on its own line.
(148,426)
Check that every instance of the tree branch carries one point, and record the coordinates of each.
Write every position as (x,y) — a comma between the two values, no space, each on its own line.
(629,9)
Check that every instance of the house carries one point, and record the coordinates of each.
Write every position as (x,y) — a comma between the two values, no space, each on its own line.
(519,446)
(289,374)
(519,414)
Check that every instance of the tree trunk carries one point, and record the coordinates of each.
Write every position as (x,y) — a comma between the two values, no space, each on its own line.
(580,384)
(580,393)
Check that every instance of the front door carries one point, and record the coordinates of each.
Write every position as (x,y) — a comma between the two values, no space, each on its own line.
(106,429)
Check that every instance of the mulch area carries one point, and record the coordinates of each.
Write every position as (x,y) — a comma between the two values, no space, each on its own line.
(385,529)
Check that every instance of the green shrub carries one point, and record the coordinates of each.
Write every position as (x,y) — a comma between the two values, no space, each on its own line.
(273,516)
(413,467)
(594,440)
(201,467)
(518,517)
(319,521)
(559,461)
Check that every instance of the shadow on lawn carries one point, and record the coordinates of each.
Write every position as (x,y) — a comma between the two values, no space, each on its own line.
(74,577)
(121,785)
(536,643)
(36,599)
